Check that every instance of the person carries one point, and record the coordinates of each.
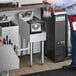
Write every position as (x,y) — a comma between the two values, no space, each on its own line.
(70,8)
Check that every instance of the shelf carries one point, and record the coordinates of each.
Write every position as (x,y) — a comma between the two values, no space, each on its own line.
(20,8)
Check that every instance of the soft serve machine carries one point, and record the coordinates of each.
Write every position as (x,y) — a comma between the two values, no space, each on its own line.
(33,30)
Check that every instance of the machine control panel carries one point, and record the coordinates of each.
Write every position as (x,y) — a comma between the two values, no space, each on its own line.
(36,25)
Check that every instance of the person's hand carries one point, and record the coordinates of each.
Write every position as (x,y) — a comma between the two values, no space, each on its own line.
(49,1)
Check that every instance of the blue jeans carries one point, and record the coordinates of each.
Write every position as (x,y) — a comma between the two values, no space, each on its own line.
(73,49)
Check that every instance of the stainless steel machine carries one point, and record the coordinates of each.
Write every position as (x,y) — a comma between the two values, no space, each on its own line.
(33,30)
(13,37)
(8,56)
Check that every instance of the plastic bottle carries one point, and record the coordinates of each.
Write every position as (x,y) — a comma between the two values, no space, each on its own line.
(7,39)
(15,48)
(1,41)
(4,41)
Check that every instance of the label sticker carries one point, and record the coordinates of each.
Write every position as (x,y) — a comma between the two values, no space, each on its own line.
(74,25)
(60,18)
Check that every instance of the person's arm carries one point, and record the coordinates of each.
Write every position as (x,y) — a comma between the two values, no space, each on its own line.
(61,3)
